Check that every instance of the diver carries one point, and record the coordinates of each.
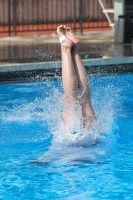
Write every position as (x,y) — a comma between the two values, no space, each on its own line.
(75,82)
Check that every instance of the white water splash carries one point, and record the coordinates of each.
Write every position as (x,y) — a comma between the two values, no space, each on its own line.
(48,112)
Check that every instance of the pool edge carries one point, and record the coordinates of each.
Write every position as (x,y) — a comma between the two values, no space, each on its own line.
(47,70)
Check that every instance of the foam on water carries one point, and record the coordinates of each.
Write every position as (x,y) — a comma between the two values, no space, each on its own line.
(93,145)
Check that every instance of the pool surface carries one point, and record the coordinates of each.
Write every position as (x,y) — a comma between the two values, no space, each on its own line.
(37,161)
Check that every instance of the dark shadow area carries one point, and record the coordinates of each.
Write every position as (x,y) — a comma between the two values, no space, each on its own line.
(128,31)
(46,74)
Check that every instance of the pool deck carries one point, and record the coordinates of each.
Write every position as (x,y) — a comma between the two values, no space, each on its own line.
(98,36)
(107,55)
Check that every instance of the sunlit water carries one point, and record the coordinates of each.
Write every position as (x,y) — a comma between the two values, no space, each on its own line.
(39,161)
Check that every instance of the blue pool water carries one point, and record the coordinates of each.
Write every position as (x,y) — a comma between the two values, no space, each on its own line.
(37,161)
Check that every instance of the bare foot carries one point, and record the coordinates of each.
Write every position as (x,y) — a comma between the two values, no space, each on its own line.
(70,35)
(61,31)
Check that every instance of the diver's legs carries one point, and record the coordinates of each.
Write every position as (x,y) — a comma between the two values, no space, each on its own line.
(84,90)
(69,77)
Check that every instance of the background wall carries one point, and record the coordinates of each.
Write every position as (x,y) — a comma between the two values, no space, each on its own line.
(39,12)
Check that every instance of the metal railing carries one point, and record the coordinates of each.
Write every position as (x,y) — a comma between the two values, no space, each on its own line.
(21,17)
